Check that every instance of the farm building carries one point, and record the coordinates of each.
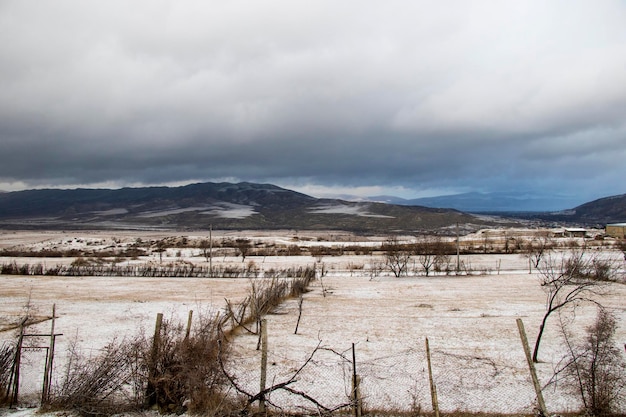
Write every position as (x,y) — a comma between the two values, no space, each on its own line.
(616,230)
(570,232)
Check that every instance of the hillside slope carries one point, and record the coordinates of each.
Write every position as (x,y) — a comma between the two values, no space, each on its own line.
(218,205)
(604,210)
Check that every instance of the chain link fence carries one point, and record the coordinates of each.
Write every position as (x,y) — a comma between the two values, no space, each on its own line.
(32,365)
(395,381)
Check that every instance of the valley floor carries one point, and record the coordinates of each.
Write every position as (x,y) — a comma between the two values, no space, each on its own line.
(469,320)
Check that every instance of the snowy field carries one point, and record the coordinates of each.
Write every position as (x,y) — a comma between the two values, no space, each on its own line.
(470,321)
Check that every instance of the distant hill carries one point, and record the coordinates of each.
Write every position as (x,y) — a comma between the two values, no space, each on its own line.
(475,202)
(218,205)
(598,212)
(526,206)
(608,209)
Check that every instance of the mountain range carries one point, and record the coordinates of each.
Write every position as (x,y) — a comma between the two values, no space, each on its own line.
(259,206)
(494,202)
(218,205)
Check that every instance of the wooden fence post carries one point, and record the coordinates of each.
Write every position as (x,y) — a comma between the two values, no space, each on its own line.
(356,382)
(15,371)
(47,376)
(151,392)
(263,379)
(300,301)
(433,387)
(188,331)
(531,367)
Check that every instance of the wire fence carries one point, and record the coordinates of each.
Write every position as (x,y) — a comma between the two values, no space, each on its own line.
(396,380)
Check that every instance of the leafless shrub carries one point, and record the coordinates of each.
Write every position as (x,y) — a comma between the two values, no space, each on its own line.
(176,372)
(595,369)
(591,267)
(185,374)
(375,269)
(355,267)
(243,247)
(7,358)
(300,285)
(265,295)
(104,384)
(603,269)
(320,251)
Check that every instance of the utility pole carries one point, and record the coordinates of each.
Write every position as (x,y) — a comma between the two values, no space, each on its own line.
(458,257)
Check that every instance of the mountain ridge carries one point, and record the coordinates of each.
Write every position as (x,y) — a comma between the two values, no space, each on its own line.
(221,205)
(247,205)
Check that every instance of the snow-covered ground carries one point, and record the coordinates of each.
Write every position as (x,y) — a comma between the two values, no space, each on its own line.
(470,321)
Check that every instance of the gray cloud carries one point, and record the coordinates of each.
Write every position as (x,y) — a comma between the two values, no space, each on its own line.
(457,95)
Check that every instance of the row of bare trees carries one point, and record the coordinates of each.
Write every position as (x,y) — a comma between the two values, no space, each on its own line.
(432,253)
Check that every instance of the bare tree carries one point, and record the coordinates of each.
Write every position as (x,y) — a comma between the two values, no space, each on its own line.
(161,246)
(431,253)
(397,255)
(566,283)
(243,246)
(205,246)
(538,247)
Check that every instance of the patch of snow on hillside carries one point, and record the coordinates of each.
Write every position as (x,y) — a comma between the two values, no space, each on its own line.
(342,209)
(172,211)
(231,211)
(111,212)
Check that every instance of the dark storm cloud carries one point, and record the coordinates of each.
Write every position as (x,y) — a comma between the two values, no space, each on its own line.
(456,95)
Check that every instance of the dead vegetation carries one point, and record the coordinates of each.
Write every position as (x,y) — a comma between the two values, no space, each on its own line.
(186,373)
(180,370)
(594,368)
(7,356)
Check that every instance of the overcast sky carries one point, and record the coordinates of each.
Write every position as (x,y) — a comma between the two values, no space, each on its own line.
(412,98)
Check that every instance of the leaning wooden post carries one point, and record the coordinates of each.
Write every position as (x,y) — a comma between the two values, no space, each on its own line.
(531,366)
(433,387)
(300,301)
(263,380)
(151,393)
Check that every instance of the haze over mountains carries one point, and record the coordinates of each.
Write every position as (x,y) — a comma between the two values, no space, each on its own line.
(265,206)
(475,202)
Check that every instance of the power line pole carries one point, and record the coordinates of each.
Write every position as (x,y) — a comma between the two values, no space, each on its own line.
(458,257)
